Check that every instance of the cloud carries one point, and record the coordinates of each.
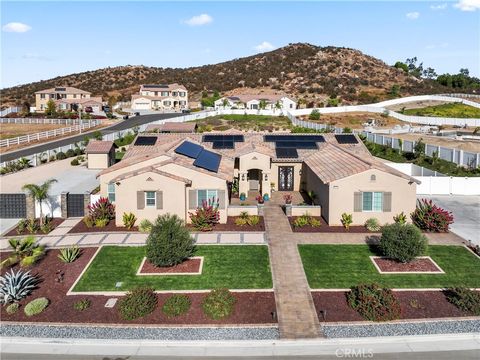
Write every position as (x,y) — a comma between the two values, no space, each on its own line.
(16,27)
(413,15)
(468,5)
(439,7)
(199,20)
(264,46)
(35,56)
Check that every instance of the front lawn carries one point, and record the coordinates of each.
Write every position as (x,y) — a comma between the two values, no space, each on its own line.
(453,110)
(229,266)
(343,266)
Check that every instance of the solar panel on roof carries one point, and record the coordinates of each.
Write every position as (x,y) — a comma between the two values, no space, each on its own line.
(283,153)
(346,139)
(60,89)
(146,140)
(189,149)
(223,144)
(208,160)
(298,138)
(213,138)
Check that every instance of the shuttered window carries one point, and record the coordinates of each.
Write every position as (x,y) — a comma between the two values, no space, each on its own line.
(150,199)
(206,195)
(372,201)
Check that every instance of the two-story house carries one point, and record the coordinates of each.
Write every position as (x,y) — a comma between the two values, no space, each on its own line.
(66,98)
(161,97)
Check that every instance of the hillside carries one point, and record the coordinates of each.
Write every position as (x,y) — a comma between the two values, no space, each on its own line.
(305,71)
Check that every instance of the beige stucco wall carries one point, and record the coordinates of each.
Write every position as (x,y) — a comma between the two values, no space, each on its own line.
(254,160)
(39,101)
(304,210)
(342,191)
(98,161)
(237,210)
(297,167)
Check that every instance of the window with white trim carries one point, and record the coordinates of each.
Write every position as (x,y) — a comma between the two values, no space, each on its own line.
(205,195)
(42,96)
(150,199)
(372,201)
(111,192)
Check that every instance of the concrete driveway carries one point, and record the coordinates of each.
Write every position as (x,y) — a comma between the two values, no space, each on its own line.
(466,213)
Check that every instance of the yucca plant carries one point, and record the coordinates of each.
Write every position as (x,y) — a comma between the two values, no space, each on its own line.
(129,220)
(14,286)
(25,251)
(69,254)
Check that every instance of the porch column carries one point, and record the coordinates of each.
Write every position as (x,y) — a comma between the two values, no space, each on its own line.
(266,180)
(243,183)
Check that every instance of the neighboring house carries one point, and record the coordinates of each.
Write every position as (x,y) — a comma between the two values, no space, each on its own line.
(100,154)
(172,127)
(160,97)
(67,98)
(256,102)
(174,173)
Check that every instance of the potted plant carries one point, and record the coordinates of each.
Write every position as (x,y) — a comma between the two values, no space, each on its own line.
(266,197)
(259,199)
(287,198)
(243,197)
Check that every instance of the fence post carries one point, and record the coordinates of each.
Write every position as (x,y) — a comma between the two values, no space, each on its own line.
(86,202)
(63,204)
(30,206)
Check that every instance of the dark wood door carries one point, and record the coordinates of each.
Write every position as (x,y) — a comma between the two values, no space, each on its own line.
(285,178)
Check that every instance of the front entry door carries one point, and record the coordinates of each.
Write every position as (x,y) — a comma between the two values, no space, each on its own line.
(254,180)
(285,178)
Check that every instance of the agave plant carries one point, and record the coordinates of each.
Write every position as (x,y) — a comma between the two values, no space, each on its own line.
(70,254)
(14,286)
(25,251)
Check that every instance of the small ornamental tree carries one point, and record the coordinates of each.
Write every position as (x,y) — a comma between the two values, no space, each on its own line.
(402,242)
(169,242)
(429,217)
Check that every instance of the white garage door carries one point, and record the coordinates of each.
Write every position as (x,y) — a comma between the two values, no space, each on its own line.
(142,105)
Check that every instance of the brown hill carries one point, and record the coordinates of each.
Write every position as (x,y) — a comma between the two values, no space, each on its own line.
(305,71)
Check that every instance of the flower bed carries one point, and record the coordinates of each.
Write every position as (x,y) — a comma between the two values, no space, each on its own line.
(54,222)
(188,267)
(325,228)
(231,226)
(419,265)
(110,227)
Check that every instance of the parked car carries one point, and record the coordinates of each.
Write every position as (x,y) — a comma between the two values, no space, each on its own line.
(106,109)
(186,111)
(137,114)
(88,109)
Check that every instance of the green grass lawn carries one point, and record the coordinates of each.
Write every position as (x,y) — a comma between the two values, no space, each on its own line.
(231,266)
(343,266)
(244,123)
(455,110)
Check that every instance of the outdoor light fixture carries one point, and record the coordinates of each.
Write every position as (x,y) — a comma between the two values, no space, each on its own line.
(243,177)
(266,177)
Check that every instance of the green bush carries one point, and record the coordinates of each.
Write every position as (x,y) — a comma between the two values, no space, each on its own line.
(314,115)
(70,153)
(372,224)
(402,242)
(12,308)
(306,220)
(61,155)
(218,304)
(145,226)
(374,303)
(465,299)
(69,254)
(129,220)
(82,305)
(74,162)
(169,242)
(138,303)
(102,222)
(346,220)
(400,218)
(88,221)
(176,305)
(36,306)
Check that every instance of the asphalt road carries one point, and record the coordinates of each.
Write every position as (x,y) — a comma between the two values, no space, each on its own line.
(131,122)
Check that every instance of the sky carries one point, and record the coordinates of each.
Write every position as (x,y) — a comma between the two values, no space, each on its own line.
(41,40)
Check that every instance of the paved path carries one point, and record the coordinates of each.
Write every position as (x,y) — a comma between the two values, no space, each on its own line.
(297,317)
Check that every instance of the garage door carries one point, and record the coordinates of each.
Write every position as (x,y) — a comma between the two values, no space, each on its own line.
(13,206)
(142,106)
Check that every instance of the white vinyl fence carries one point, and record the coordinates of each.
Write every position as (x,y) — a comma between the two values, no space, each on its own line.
(41,121)
(51,207)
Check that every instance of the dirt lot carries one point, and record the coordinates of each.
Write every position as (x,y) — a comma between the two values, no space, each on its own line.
(354,120)
(14,130)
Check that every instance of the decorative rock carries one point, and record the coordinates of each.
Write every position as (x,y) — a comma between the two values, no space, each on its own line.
(111,302)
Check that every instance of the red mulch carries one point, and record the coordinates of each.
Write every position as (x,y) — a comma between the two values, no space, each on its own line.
(54,223)
(251,307)
(414,305)
(230,226)
(422,264)
(188,266)
(325,228)
(111,227)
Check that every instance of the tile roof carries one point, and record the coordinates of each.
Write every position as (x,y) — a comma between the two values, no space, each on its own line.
(99,147)
(162,87)
(83,101)
(155,169)
(249,97)
(68,90)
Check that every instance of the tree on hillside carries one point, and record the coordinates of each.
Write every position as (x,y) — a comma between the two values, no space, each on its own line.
(401,65)
(51,109)
(413,68)
(429,73)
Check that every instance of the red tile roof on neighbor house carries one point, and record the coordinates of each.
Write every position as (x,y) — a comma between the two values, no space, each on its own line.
(162,87)
(99,147)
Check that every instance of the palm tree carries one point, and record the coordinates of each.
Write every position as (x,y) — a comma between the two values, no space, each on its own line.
(39,193)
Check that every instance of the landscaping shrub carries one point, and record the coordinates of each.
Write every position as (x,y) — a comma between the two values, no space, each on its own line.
(169,242)
(145,226)
(61,155)
(129,220)
(245,219)
(12,308)
(402,242)
(138,303)
(101,222)
(88,221)
(253,220)
(465,299)
(70,254)
(372,224)
(16,285)
(373,302)
(346,220)
(218,304)
(176,305)
(70,153)
(82,305)
(25,251)
(36,306)
(47,226)
(102,209)
(314,115)
(74,162)
(429,217)
(78,151)
(400,218)
(22,226)
(206,216)
(32,226)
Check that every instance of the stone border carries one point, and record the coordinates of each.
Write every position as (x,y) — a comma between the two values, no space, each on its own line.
(199,272)
(473,252)
(70,290)
(440,271)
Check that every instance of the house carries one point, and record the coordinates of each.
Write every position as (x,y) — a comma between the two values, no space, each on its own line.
(160,97)
(100,154)
(172,127)
(256,102)
(67,98)
(174,173)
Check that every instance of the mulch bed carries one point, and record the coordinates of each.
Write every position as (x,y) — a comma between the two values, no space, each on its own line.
(325,228)
(417,265)
(54,223)
(230,226)
(188,266)
(414,305)
(111,227)
(251,307)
